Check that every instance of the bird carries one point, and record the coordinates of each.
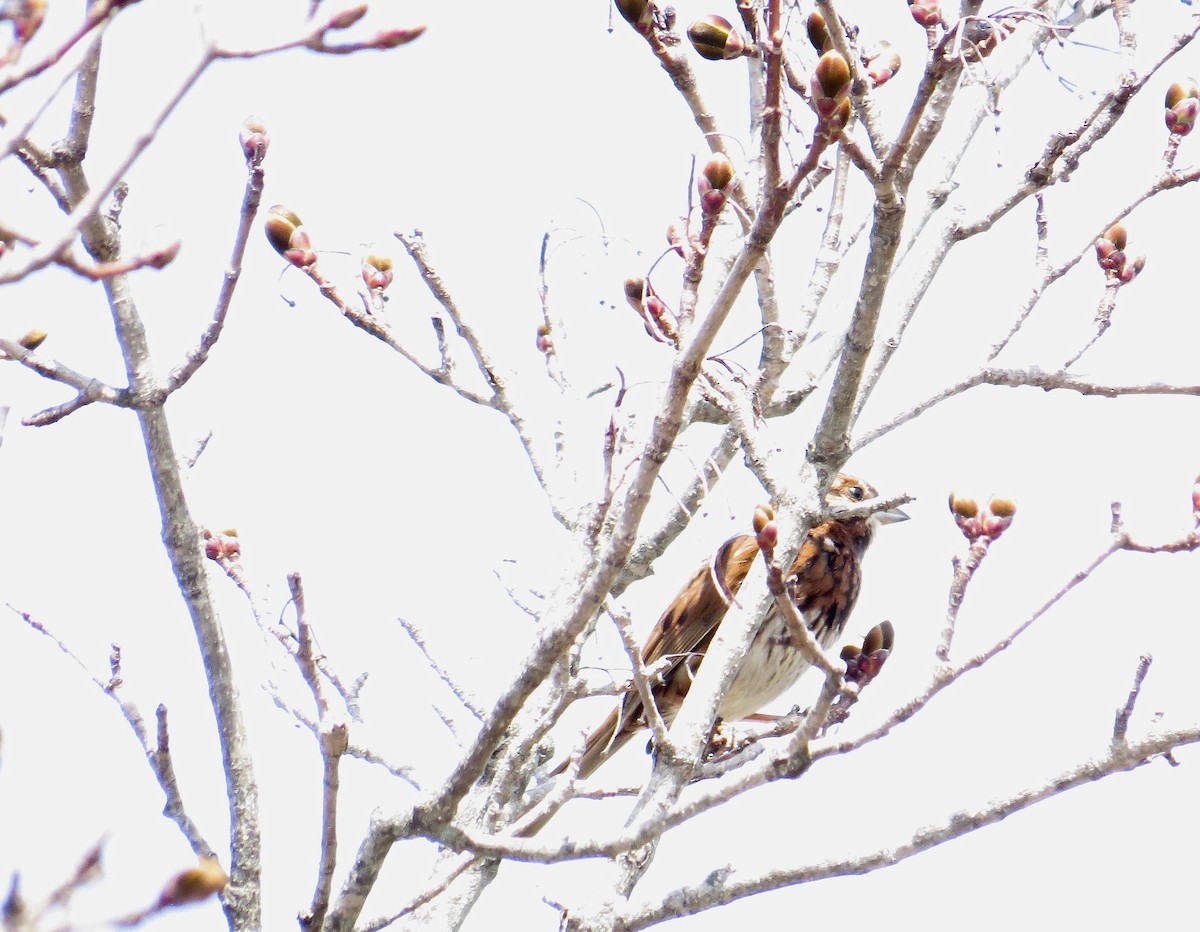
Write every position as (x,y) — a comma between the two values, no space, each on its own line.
(823,583)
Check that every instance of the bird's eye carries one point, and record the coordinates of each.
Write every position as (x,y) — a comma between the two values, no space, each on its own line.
(856,492)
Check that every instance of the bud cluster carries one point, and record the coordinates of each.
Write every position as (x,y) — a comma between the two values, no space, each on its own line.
(1183,106)
(831,91)
(864,663)
(657,318)
(222,546)
(991,521)
(766,531)
(1110,254)
(927,13)
(377,270)
(715,183)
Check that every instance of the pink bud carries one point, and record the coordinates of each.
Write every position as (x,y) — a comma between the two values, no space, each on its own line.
(926,12)
(712,202)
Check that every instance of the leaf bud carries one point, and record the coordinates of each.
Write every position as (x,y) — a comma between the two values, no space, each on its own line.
(714,38)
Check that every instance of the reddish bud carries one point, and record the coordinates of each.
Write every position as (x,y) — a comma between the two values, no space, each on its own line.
(254,140)
(161,258)
(675,238)
(391,38)
(926,12)
(660,322)
(766,531)
(882,63)
(712,202)
(348,18)
(1182,117)
(836,121)
(998,516)
(377,270)
(864,663)
(990,522)
(1131,270)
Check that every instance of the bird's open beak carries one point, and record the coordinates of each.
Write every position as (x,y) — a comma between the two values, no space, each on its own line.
(891,516)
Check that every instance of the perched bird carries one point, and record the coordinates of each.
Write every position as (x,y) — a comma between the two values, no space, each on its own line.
(823,582)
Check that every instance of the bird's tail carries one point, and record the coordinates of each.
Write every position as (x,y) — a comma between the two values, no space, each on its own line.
(612,734)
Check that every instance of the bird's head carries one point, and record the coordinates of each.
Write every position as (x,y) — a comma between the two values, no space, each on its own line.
(847,492)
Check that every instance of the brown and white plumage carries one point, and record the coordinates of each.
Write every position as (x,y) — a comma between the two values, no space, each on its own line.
(823,582)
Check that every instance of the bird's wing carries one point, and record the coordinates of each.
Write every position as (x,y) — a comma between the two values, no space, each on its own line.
(688,624)
(683,632)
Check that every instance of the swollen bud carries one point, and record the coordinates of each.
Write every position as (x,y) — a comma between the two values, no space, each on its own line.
(161,258)
(882,63)
(989,522)
(715,38)
(1183,107)
(864,663)
(33,339)
(926,12)
(718,171)
(713,182)
(193,885)
(766,531)
(636,289)
(962,507)
(1110,255)
(818,33)
(348,18)
(377,270)
(1116,235)
(635,12)
(254,140)
(1002,511)
(833,75)
(763,515)
(287,235)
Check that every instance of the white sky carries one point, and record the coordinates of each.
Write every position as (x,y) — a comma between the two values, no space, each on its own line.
(394,499)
